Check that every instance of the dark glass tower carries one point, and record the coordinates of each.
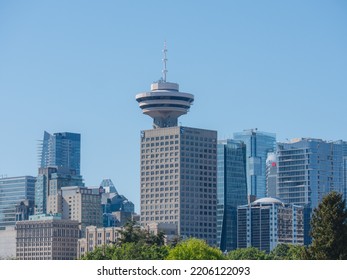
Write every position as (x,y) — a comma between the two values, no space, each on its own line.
(231,190)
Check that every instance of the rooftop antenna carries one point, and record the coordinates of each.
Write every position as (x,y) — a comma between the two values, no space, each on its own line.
(164,71)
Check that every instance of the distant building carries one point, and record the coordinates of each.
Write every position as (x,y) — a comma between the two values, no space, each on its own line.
(271,175)
(308,169)
(97,237)
(62,149)
(344,166)
(79,204)
(108,186)
(267,222)
(14,191)
(231,190)
(258,145)
(7,242)
(116,208)
(49,182)
(47,237)
(24,209)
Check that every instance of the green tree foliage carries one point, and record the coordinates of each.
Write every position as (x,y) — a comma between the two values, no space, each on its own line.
(194,249)
(329,229)
(288,252)
(133,233)
(128,251)
(249,253)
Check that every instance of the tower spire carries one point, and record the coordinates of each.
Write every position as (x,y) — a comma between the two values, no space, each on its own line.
(164,103)
(164,71)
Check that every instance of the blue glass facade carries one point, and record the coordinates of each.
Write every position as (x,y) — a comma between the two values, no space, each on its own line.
(344,166)
(258,145)
(231,190)
(61,149)
(13,191)
(308,169)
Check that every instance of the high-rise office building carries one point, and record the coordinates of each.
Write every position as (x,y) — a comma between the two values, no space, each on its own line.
(266,222)
(231,190)
(308,169)
(61,149)
(14,191)
(178,164)
(258,145)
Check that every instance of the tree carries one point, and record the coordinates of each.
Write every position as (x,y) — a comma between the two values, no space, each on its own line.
(131,233)
(194,249)
(288,252)
(249,253)
(329,229)
(139,251)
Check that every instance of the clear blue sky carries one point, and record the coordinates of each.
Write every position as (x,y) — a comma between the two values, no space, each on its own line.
(76,66)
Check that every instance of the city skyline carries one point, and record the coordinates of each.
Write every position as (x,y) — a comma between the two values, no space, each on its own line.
(76,67)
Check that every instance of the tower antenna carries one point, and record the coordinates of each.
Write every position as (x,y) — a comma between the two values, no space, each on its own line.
(164,71)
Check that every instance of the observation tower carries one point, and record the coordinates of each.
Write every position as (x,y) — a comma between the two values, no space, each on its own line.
(164,103)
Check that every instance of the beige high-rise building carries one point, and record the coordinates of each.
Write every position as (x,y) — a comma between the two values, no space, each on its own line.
(77,203)
(178,180)
(178,164)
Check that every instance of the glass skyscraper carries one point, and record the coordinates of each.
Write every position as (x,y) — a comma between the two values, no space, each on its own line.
(258,145)
(13,191)
(231,190)
(61,149)
(308,169)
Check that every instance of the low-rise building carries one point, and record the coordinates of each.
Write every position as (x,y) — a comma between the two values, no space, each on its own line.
(46,237)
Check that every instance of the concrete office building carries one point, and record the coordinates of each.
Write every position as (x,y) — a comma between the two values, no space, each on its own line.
(14,191)
(79,204)
(178,164)
(231,190)
(258,145)
(267,222)
(46,237)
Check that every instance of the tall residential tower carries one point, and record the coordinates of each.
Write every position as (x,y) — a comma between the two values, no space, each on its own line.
(178,165)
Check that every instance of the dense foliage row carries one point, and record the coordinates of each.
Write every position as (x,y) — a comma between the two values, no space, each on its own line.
(329,233)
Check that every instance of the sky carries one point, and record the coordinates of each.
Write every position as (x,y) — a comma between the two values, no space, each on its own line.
(76,66)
